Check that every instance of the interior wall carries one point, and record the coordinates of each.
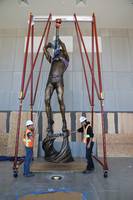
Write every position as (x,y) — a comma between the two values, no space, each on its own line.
(116,62)
(119,136)
(110,14)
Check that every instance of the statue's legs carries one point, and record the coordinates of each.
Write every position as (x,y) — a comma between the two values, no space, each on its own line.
(60,94)
(48,94)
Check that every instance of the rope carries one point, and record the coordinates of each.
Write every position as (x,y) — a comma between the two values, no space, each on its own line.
(41,99)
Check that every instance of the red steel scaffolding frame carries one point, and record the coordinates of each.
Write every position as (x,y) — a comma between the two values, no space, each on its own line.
(94,87)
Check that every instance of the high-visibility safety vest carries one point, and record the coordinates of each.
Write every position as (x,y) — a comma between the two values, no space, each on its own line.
(86,136)
(27,141)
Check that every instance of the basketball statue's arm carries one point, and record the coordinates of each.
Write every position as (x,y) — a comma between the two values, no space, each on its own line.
(46,52)
(64,50)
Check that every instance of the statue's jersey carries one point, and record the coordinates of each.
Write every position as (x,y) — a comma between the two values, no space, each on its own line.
(58,67)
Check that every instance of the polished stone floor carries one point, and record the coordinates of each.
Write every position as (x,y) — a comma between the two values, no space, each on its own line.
(118,185)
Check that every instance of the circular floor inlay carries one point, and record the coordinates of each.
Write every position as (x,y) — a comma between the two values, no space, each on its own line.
(56,177)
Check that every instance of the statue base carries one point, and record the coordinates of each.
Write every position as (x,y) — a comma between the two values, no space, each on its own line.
(51,154)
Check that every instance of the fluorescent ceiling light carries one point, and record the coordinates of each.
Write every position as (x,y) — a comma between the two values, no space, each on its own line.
(81,1)
(23,2)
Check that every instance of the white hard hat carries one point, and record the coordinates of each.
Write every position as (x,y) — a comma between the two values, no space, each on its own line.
(82,119)
(29,122)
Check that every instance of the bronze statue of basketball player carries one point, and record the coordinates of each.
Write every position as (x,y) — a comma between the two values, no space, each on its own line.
(59,63)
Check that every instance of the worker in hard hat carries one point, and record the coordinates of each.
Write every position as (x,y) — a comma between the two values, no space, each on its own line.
(88,139)
(28,140)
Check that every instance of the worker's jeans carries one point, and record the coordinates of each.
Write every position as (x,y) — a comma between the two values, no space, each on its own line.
(90,164)
(27,160)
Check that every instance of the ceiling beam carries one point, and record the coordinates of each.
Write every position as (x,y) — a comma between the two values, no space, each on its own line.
(66,18)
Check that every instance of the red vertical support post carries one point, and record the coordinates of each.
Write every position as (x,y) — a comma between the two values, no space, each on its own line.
(101,95)
(21,95)
(25,56)
(41,65)
(87,57)
(97,55)
(92,100)
(28,81)
(32,57)
(83,63)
